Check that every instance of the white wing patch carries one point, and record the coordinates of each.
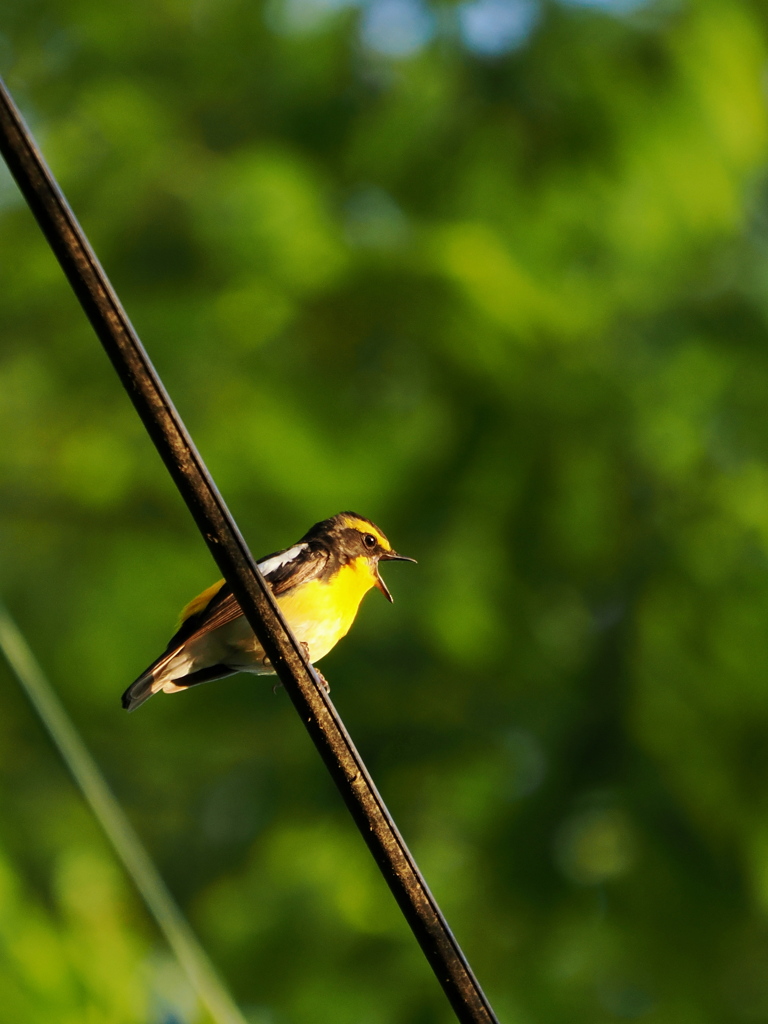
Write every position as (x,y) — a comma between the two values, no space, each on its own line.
(269,565)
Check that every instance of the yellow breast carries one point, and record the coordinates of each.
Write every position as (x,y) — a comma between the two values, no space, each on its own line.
(321,613)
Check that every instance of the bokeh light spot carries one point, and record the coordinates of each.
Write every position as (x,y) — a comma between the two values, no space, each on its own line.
(396,28)
(373,220)
(611,6)
(494,27)
(299,16)
(595,845)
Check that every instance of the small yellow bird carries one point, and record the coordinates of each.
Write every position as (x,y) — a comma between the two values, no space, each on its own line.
(318,583)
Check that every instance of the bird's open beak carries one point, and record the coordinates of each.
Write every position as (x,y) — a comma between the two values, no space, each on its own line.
(389,556)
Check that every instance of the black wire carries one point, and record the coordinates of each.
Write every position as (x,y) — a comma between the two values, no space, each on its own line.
(228,548)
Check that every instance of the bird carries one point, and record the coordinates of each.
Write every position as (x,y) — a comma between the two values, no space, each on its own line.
(318,583)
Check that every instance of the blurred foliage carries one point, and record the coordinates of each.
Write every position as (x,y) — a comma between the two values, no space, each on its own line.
(494,274)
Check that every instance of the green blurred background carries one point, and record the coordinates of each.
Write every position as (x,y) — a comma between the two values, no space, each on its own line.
(495,275)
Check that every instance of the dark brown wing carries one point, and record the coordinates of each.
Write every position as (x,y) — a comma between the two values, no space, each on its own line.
(223,608)
(308,565)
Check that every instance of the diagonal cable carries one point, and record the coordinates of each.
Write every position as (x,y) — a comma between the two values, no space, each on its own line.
(110,815)
(183,461)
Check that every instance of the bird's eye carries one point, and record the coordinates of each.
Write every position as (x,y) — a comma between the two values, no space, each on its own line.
(369,540)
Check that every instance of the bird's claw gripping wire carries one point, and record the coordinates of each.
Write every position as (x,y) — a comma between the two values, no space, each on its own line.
(323,681)
(325,684)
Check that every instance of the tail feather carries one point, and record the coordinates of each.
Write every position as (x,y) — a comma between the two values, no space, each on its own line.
(139,691)
(152,679)
(156,678)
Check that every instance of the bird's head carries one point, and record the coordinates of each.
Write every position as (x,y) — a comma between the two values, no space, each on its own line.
(353,538)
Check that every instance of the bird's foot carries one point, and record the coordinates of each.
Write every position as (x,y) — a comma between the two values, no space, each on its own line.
(321,678)
(324,682)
